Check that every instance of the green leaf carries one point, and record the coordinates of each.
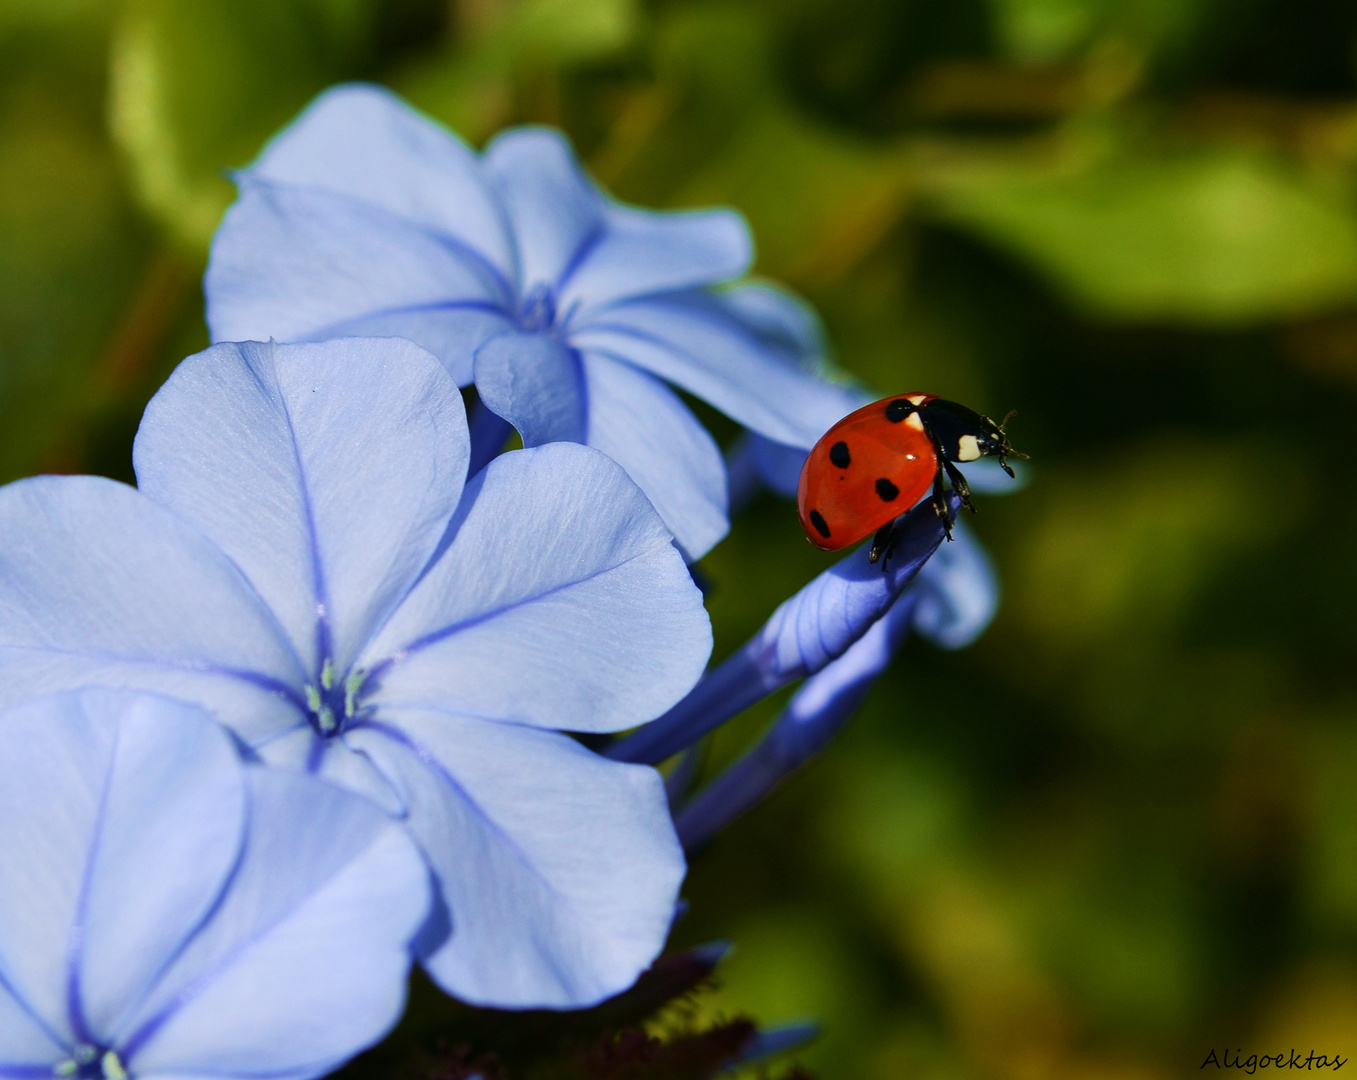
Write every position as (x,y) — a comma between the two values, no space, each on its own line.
(569,31)
(1213,238)
(1043,31)
(197,88)
(817,200)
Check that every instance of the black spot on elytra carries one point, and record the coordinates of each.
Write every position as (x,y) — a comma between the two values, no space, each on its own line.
(821,526)
(886,490)
(839,455)
(898,409)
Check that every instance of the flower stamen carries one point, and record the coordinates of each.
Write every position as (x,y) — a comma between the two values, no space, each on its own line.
(88,1063)
(352,685)
(329,706)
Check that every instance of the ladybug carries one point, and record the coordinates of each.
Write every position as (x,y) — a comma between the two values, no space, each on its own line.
(876,463)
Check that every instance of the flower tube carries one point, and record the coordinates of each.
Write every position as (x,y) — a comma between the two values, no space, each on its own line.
(807,632)
(305,559)
(817,712)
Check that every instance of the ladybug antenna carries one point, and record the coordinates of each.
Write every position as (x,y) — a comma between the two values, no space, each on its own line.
(1006,451)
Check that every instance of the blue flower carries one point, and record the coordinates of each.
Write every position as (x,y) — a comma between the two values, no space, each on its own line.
(304,560)
(166,910)
(568,310)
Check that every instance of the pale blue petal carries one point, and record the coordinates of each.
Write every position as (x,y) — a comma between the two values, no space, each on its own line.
(788,327)
(958,592)
(365,142)
(783,321)
(334,760)
(98,584)
(173,815)
(744,482)
(327,472)
(54,759)
(552,395)
(535,383)
(560,602)
(299,264)
(123,815)
(778,465)
(453,334)
(556,213)
(25,1042)
(643,426)
(292,749)
(304,962)
(560,870)
(642,252)
(690,339)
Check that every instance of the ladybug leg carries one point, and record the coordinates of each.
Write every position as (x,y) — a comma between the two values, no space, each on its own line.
(959,484)
(940,500)
(882,543)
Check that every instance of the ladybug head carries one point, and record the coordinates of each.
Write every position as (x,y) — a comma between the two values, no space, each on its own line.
(994,442)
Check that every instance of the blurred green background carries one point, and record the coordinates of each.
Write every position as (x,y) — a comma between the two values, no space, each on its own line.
(1122,829)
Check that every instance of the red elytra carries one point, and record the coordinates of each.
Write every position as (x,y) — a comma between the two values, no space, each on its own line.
(842,501)
(879,461)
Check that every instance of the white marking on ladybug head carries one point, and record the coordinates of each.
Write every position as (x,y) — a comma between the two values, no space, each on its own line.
(915,421)
(917,399)
(967,448)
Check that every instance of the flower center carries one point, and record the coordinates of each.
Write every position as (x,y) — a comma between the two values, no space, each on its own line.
(91,1063)
(538,310)
(331,702)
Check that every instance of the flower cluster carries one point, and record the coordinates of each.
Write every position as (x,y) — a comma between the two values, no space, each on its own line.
(568,311)
(293,712)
